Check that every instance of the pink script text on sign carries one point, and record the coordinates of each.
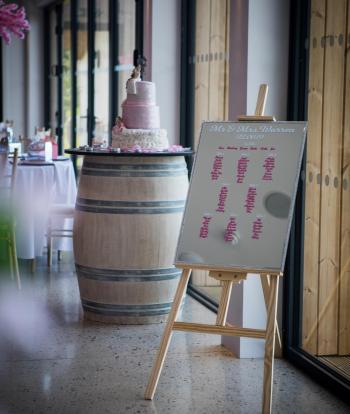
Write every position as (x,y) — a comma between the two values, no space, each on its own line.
(257,228)
(269,166)
(250,199)
(216,170)
(242,166)
(230,229)
(203,232)
(222,199)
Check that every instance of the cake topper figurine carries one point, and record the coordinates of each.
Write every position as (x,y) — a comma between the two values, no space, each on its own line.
(131,82)
(119,124)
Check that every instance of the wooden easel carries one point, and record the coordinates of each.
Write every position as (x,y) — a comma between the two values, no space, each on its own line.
(270,289)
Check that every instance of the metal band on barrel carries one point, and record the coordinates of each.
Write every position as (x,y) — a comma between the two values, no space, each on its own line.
(126,310)
(127,275)
(129,207)
(163,166)
(136,173)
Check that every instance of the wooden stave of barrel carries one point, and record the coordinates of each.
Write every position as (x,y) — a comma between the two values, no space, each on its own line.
(127,220)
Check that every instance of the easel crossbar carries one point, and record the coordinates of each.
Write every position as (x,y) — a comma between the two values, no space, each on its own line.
(219,330)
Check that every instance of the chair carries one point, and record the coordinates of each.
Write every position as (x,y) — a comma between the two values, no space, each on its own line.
(7,222)
(58,211)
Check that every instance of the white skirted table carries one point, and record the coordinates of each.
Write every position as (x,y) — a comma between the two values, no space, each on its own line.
(37,188)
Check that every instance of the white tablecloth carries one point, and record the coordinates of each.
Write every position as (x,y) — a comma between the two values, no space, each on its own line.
(37,188)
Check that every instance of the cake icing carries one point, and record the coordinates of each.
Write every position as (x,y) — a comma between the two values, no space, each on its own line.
(139,110)
(140,122)
(145,138)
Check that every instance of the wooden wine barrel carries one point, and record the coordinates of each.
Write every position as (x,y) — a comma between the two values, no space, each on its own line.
(127,220)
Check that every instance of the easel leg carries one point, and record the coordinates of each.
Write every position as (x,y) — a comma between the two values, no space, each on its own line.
(15,260)
(270,343)
(224,301)
(10,258)
(158,365)
(265,283)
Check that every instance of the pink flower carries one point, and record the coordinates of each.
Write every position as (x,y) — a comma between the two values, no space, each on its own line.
(175,148)
(12,21)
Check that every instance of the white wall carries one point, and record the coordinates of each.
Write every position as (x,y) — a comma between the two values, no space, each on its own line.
(268,45)
(35,69)
(13,82)
(166,32)
(268,50)
(23,76)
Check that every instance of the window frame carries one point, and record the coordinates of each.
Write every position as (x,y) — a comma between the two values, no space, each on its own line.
(113,103)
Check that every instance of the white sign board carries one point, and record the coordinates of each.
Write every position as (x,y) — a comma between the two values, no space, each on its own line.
(241,197)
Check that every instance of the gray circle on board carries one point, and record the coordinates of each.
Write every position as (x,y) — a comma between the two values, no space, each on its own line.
(277,204)
(190,257)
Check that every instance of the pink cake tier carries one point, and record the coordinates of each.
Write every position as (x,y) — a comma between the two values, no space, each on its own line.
(139,110)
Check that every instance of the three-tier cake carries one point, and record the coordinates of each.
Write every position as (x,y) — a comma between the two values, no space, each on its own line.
(140,122)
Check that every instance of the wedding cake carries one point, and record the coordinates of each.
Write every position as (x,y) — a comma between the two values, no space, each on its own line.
(140,122)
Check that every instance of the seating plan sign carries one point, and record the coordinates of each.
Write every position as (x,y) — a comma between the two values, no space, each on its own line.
(241,197)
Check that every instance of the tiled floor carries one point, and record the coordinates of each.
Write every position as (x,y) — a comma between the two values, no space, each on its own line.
(51,361)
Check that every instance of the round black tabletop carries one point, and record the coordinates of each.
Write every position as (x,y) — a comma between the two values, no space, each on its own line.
(107,153)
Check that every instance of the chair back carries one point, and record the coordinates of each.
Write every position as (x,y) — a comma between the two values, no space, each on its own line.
(14,171)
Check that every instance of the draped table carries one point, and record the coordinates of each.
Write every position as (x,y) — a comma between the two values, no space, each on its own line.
(37,188)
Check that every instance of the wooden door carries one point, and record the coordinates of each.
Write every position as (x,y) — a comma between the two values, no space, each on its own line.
(326,290)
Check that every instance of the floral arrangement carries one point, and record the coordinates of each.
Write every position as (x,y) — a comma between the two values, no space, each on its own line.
(12,21)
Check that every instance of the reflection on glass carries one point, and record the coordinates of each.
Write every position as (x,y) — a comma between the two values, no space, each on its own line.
(101,72)
(210,88)
(126,45)
(66,77)
(82,74)
(53,66)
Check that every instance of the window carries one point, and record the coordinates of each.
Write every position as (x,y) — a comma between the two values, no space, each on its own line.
(89,48)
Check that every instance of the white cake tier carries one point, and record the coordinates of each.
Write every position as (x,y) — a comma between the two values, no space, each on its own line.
(145,93)
(145,138)
(140,116)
